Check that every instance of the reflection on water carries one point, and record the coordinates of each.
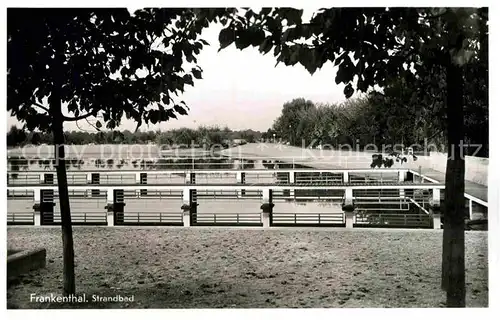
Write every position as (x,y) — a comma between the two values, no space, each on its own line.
(20,163)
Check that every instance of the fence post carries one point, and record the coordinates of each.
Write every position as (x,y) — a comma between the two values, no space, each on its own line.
(47,202)
(37,219)
(435,209)
(143,179)
(95,178)
(291,180)
(193,197)
(186,207)
(401,175)
(345,176)
(240,179)
(401,179)
(137,181)
(48,178)
(348,208)
(267,207)
(89,181)
(110,212)
(190,177)
(409,176)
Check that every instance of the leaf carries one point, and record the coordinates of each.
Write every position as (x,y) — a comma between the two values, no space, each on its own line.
(171,114)
(257,36)
(295,55)
(277,50)
(308,59)
(345,72)
(266,46)
(243,39)
(165,99)
(111,124)
(154,116)
(265,11)
(188,79)
(72,106)
(180,110)
(293,16)
(348,90)
(248,14)
(98,124)
(274,26)
(196,73)
(306,30)
(226,37)
(290,34)
(190,58)
(362,85)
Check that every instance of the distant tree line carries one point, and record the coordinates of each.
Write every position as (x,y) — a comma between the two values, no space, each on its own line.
(374,119)
(406,111)
(202,136)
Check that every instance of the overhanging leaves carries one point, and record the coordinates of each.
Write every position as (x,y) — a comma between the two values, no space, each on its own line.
(226,37)
(105,49)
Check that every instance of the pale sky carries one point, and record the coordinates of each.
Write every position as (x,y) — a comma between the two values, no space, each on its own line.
(242,89)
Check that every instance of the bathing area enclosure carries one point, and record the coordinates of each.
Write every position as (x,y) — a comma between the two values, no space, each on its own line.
(272,194)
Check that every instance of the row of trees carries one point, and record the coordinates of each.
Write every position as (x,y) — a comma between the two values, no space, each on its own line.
(184,136)
(379,119)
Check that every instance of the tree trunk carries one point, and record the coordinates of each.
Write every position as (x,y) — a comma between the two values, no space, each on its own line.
(453,265)
(62,182)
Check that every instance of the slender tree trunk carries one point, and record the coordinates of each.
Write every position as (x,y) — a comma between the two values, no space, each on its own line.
(453,265)
(62,182)
(445,264)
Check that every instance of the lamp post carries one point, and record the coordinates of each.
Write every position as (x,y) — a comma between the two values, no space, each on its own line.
(290,130)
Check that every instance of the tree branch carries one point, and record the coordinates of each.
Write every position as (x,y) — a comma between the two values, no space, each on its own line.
(84,130)
(92,125)
(93,113)
(139,123)
(40,106)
